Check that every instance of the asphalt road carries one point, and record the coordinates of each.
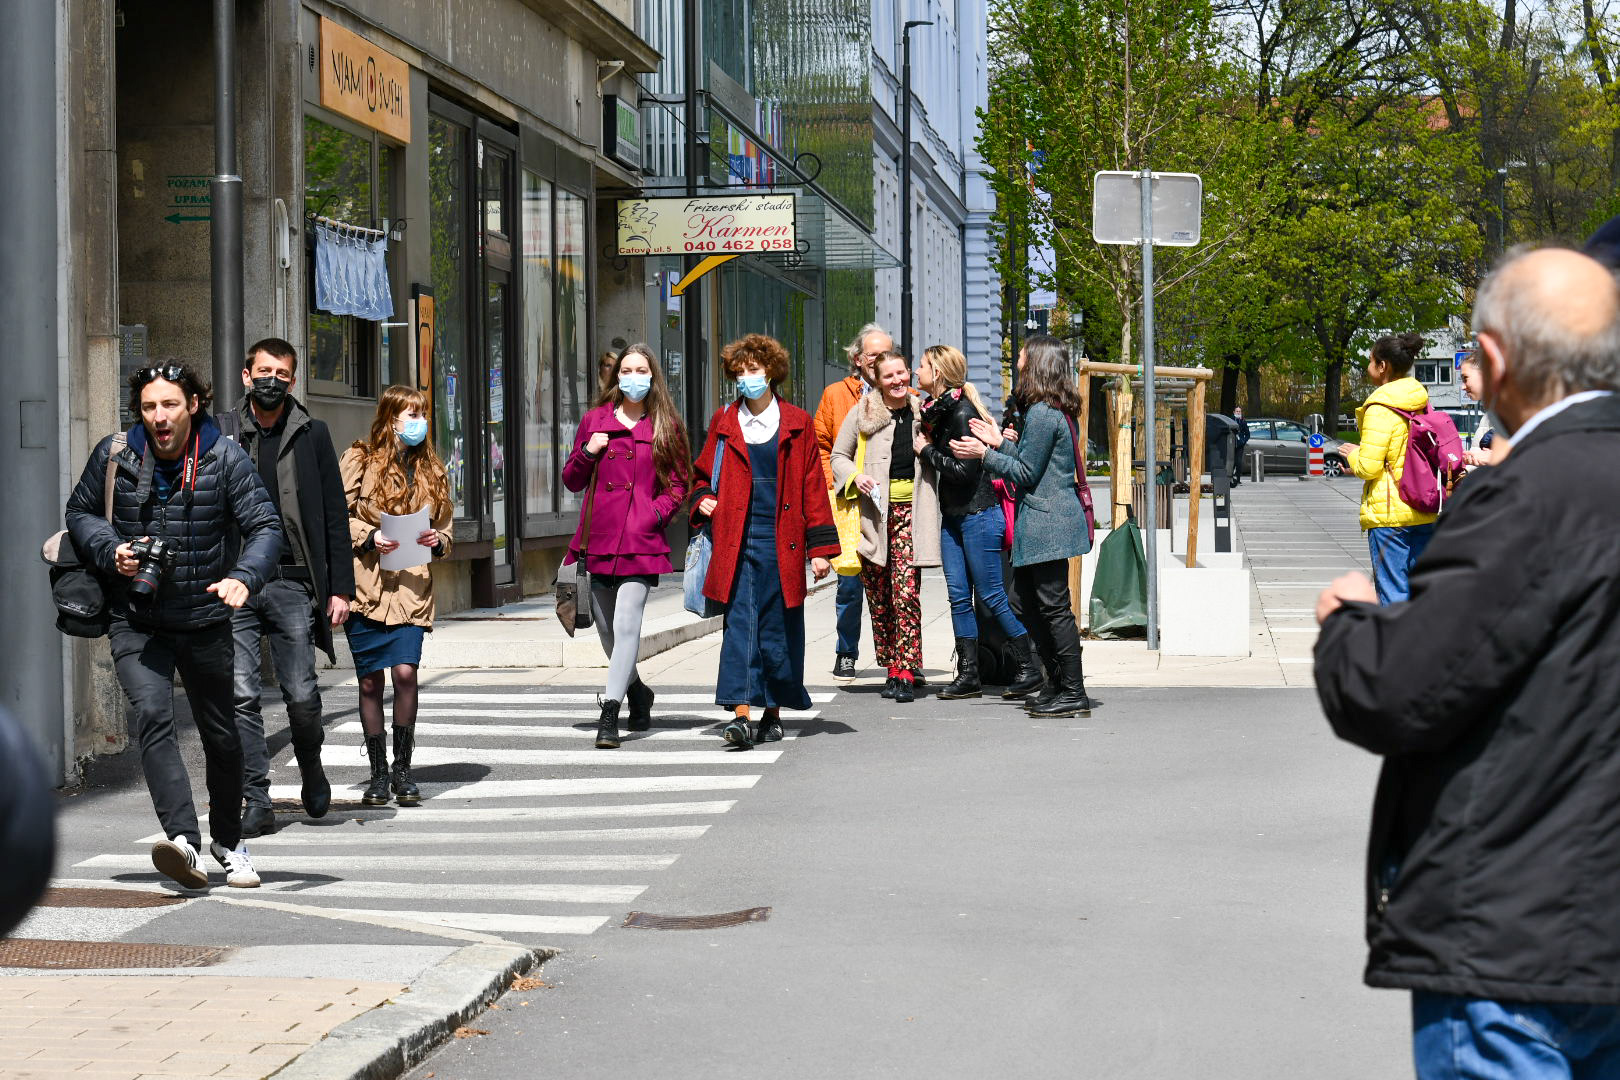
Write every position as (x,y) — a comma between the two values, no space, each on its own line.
(1170,888)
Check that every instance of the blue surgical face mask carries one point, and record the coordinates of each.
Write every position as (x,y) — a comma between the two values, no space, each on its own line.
(752,387)
(412,432)
(635,386)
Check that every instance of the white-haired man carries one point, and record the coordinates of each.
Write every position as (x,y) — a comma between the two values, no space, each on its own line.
(1493,870)
(870,343)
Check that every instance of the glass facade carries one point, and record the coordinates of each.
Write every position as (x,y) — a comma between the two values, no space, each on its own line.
(539,349)
(447,201)
(576,381)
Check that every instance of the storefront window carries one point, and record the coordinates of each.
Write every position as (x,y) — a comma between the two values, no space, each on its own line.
(346,178)
(539,350)
(447,199)
(577,378)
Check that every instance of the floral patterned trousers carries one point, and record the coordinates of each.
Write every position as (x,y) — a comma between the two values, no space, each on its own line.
(895,595)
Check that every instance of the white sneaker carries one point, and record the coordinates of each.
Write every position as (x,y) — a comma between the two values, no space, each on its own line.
(177,859)
(239,872)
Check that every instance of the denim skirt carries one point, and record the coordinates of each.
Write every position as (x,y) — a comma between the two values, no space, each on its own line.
(376,645)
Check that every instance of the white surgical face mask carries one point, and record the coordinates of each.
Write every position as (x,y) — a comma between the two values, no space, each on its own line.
(635,386)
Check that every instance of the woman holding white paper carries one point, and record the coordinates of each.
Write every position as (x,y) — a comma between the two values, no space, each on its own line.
(393,473)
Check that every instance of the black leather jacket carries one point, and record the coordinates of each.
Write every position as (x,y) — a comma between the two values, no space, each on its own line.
(964,487)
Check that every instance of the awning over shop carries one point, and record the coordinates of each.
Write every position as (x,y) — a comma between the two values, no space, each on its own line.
(829,239)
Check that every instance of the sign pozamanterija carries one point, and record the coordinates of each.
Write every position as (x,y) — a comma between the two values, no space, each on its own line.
(707,225)
(365,83)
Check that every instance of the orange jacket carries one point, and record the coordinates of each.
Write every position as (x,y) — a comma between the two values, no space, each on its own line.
(836,401)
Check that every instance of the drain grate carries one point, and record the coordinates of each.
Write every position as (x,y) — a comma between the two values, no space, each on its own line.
(107,898)
(73,955)
(645,920)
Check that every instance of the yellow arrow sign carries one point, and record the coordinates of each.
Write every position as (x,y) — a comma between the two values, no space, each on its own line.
(698,271)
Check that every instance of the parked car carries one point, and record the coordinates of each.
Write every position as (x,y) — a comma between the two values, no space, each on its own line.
(1285,446)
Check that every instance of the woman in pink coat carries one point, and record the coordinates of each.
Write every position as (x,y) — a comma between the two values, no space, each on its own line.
(630,457)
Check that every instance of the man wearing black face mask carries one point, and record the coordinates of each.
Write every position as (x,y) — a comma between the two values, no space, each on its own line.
(310,592)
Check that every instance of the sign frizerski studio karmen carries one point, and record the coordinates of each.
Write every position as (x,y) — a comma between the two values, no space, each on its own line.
(707,225)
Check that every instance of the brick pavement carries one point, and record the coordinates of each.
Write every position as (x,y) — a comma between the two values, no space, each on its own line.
(169,1027)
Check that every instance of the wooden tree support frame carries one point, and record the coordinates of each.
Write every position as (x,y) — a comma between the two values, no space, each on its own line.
(1176,389)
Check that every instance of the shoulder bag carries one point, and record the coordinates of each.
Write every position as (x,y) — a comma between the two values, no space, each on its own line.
(573,584)
(700,548)
(77,589)
(1081,487)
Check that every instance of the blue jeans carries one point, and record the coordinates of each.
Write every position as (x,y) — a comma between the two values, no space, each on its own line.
(970,555)
(1458,1038)
(1394,552)
(284,611)
(848,603)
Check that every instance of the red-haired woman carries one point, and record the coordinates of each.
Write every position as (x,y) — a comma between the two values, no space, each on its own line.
(631,452)
(393,471)
(770,514)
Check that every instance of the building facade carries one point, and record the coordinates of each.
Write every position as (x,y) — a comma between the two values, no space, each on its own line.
(956,293)
(450,157)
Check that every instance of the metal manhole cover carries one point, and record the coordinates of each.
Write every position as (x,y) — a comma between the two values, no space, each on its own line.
(645,920)
(71,955)
(107,898)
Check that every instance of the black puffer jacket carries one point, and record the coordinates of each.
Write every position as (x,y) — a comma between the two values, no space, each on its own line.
(964,487)
(224,526)
(1494,861)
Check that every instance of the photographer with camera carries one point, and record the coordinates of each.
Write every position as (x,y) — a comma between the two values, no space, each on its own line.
(192,535)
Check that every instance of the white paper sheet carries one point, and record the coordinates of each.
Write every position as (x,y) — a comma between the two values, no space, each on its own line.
(405,528)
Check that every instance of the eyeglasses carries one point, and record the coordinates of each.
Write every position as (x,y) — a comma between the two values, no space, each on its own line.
(168,372)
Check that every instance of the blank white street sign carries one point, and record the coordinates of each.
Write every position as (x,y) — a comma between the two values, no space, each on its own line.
(1116,208)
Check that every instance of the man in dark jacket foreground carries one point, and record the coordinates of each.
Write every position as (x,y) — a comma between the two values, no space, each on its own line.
(308,592)
(178,482)
(1493,869)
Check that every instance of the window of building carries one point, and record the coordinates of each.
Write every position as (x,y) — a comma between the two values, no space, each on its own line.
(348,177)
(1433,372)
(447,203)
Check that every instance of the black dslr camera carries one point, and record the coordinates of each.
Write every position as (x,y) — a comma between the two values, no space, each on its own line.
(156,557)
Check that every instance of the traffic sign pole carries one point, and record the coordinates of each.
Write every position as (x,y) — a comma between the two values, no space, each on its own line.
(1318,459)
(1150,534)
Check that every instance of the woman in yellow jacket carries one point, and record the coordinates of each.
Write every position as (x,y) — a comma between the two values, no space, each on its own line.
(1396,533)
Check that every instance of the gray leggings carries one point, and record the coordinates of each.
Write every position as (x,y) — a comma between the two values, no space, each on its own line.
(617,605)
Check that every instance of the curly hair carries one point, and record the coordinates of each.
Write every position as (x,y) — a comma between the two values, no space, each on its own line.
(178,372)
(396,469)
(761,349)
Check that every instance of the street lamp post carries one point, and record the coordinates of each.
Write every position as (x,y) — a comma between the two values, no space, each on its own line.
(1501,211)
(225,231)
(905,182)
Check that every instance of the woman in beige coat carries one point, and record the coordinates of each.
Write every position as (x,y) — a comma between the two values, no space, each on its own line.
(395,470)
(875,457)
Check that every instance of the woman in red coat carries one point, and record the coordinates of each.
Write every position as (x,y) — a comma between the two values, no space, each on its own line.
(769,513)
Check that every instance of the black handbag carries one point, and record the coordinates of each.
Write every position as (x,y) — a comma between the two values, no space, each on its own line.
(573,584)
(76,589)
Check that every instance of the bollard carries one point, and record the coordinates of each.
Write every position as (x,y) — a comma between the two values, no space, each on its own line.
(1318,463)
(1257,466)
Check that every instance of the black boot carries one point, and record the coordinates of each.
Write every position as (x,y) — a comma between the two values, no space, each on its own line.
(966,684)
(607,727)
(258,821)
(904,690)
(377,791)
(1073,700)
(406,792)
(307,736)
(1026,678)
(889,685)
(1048,693)
(640,697)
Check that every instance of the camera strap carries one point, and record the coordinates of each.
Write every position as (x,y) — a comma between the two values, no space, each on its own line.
(188,481)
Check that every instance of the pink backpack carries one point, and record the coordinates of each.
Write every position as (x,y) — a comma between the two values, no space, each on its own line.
(1434,458)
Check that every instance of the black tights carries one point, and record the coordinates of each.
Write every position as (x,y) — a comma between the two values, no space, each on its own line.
(371,699)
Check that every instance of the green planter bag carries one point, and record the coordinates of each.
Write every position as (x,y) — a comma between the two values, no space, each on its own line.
(1119,590)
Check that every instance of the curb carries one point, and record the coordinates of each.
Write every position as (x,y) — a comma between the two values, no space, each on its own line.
(391,1038)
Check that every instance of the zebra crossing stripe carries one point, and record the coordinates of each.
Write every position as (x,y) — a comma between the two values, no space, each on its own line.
(555,787)
(525,731)
(470,814)
(465,755)
(488,922)
(412,891)
(431,696)
(467,866)
(331,836)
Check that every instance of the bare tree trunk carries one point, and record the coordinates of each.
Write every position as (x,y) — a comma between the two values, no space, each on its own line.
(1332,396)
(1251,376)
